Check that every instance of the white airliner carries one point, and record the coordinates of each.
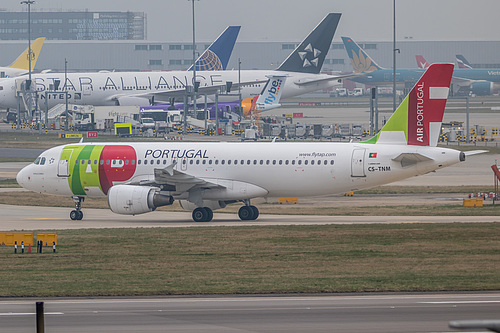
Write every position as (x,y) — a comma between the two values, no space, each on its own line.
(20,66)
(302,67)
(137,178)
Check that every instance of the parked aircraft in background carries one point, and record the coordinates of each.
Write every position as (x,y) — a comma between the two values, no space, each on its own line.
(462,62)
(421,62)
(267,100)
(373,74)
(137,178)
(217,55)
(21,65)
(477,81)
(302,66)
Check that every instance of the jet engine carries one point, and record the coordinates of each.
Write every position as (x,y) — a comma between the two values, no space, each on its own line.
(134,199)
(483,88)
(212,204)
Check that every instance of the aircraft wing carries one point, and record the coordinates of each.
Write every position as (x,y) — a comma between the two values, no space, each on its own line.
(408,159)
(166,94)
(182,181)
(307,82)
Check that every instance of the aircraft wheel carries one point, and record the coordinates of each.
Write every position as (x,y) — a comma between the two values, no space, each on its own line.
(255,212)
(210,214)
(80,215)
(246,213)
(200,214)
(74,215)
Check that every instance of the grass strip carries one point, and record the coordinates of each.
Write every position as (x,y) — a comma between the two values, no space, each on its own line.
(267,259)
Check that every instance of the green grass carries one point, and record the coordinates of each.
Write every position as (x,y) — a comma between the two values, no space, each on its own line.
(284,259)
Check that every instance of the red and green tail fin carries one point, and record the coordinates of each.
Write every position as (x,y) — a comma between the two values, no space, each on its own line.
(417,120)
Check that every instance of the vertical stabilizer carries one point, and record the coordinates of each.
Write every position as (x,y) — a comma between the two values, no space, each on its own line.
(309,56)
(421,62)
(360,60)
(216,56)
(417,120)
(22,62)
(270,96)
(462,62)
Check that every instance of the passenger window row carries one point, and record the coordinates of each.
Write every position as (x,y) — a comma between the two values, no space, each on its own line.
(120,163)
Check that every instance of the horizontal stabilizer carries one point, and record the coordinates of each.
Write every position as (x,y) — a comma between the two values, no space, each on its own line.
(408,159)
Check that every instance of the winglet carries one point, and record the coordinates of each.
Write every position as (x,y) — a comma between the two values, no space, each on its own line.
(417,120)
(22,62)
(360,60)
(309,56)
(216,56)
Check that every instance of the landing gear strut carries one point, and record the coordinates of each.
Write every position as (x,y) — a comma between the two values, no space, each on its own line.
(77,214)
(203,214)
(248,212)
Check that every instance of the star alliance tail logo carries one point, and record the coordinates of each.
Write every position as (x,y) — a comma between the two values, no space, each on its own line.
(309,56)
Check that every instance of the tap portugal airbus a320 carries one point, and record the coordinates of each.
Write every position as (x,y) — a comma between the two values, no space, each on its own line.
(137,178)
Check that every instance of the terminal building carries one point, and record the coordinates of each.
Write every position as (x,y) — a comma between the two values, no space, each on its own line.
(73,25)
(117,41)
(147,55)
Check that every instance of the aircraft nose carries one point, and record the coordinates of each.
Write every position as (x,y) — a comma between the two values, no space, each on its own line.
(22,177)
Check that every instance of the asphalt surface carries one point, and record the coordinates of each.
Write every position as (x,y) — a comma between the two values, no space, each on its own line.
(310,313)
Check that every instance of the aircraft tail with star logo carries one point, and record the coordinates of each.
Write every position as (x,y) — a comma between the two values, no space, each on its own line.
(309,56)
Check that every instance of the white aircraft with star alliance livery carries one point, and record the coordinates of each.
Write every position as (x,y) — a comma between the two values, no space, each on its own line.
(302,67)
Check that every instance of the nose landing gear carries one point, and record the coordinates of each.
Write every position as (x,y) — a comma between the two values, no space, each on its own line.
(77,214)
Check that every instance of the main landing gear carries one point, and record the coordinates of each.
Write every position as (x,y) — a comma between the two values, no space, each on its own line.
(203,214)
(77,214)
(248,212)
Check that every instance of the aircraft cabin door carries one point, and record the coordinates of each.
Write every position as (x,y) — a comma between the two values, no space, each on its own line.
(62,166)
(358,163)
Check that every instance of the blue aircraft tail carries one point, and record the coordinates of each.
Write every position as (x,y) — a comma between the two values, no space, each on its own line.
(360,60)
(217,55)
(462,62)
(309,56)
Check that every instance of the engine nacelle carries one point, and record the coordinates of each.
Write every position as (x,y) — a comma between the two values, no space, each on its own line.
(483,88)
(134,199)
(212,204)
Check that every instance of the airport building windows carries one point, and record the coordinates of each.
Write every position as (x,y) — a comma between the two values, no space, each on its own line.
(153,62)
(140,47)
(189,47)
(173,47)
(337,61)
(155,47)
(175,62)
(288,46)
(337,46)
(370,46)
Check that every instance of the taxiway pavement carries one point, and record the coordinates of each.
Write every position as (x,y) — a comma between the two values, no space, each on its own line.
(293,313)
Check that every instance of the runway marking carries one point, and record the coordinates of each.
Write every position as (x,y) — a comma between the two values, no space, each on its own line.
(28,313)
(459,302)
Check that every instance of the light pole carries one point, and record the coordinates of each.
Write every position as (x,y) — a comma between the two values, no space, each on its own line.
(30,101)
(194,62)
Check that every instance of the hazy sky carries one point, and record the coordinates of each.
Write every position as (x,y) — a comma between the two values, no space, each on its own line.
(291,20)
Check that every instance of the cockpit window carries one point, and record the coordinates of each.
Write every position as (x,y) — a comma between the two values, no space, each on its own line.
(37,161)
(42,161)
